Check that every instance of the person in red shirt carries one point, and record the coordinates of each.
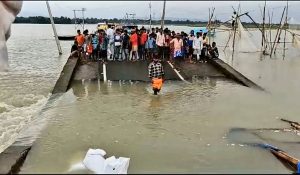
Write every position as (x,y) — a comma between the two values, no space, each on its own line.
(142,42)
(79,38)
(134,45)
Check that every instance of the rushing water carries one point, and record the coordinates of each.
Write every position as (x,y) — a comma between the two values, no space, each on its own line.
(184,129)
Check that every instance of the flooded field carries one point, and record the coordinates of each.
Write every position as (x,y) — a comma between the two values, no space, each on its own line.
(184,129)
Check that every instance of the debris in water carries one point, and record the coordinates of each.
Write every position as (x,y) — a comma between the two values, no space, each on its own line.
(94,160)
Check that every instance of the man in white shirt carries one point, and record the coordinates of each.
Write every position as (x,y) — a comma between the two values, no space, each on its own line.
(160,42)
(197,45)
(110,48)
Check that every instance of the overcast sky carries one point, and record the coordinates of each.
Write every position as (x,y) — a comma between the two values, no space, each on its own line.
(194,10)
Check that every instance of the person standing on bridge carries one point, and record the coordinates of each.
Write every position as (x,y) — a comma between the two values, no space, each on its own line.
(125,45)
(156,74)
(160,42)
(80,39)
(110,49)
(178,43)
(134,45)
(197,44)
(103,45)
(117,44)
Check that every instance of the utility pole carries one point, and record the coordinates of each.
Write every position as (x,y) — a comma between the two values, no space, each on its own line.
(83,9)
(163,15)
(82,24)
(75,20)
(54,29)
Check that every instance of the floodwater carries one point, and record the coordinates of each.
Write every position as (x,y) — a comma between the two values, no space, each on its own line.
(184,129)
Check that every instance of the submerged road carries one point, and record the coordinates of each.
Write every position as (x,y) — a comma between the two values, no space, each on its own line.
(138,71)
(13,157)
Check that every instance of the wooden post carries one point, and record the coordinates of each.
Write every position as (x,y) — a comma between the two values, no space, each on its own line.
(272,49)
(163,15)
(54,29)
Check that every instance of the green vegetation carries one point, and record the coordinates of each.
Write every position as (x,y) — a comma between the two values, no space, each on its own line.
(66,20)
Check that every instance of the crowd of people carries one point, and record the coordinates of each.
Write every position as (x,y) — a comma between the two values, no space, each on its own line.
(141,44)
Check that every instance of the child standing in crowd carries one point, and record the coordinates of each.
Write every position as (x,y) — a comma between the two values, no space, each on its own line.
(103,46)
(118,42)
(89,50)
(150,44)
(204,54)
(125,45)
(190,45)
(185,47)
(95,42)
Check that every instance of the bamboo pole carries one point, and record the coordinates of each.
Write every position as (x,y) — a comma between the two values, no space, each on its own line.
(150,14)
(272,49)
(54,29)
(234,34)
(263,29)
(270,27)
(163,15)
(286,23)
(278,41)
(208,26)
(227,41)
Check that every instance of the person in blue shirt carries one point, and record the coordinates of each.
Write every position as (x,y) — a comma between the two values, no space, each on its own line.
(150,46)
(95,42)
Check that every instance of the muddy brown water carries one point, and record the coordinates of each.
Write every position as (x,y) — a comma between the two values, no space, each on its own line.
(184,129)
